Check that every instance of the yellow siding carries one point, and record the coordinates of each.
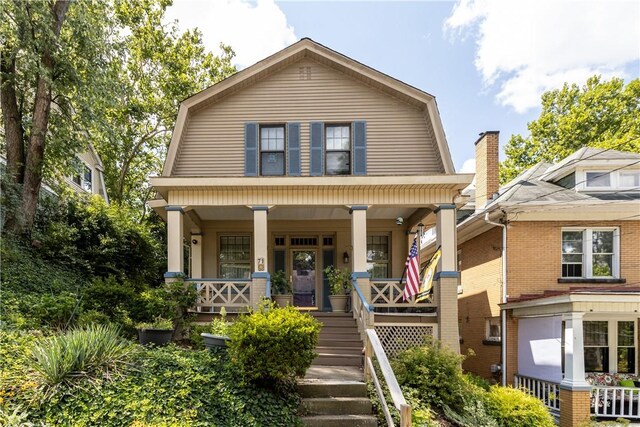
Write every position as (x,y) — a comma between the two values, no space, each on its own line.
(400,140)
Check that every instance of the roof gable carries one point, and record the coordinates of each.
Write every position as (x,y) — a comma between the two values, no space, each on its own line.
(307,48)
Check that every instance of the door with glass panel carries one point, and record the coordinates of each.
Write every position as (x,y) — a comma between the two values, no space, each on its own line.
(303,277)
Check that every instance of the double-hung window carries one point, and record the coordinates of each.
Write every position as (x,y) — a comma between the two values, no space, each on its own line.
(338,150)
(272,149)
(378,256)
(82,176)
(590,253)
(235,257)
(610,346)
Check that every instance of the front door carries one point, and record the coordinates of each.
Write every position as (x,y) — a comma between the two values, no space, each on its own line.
(304,277)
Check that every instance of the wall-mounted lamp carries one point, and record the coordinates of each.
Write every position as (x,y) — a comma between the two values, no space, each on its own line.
(345,257)
(399,220)
(194,241)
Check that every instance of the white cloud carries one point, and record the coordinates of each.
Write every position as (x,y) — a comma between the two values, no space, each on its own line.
(526,47)
(253,30)
(469,166)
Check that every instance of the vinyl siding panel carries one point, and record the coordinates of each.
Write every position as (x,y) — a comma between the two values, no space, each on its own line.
(400,140)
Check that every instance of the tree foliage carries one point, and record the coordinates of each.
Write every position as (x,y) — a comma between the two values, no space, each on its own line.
(106,72)
(602,114)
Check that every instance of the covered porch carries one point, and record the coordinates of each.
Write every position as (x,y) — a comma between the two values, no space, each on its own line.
(240,231)
(577,351)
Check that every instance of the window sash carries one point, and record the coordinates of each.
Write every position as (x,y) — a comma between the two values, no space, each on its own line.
(609,345)
(273,158)
(598,179)
(337,144)
(378,256)
(492,329)
(235,257)
(595,255)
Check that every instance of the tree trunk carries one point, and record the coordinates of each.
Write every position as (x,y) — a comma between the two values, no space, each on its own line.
(40,123)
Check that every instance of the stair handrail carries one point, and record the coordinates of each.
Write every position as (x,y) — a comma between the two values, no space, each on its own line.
(372,342)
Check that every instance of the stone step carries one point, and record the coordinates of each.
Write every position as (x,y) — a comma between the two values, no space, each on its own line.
(336,406)
(328,359)
(340,421)
(337,321)
(331,388)
(340,342)
(355,351)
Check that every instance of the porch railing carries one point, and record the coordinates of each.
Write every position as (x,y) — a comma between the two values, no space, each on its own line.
(548,392)
(363,312)
(615,402)
(213,294)
(388,293)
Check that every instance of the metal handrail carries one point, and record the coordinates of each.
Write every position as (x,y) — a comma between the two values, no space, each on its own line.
(366,305)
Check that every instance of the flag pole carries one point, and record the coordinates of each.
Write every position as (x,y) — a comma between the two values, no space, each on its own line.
(420,227)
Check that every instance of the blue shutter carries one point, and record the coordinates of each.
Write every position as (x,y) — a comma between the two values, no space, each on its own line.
(251,149)
(316,143)
(293,145)
(359,148)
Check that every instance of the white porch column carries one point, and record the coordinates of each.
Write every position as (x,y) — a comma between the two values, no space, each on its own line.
(260,275)
(175,242)
(196,255)
(447,277)
(574,377)
(359,244)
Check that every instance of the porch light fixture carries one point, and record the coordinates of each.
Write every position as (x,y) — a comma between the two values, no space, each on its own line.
(345,257)
(399,220)
(194,241)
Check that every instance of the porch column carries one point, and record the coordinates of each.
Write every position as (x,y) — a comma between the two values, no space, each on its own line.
(175,242)
(575,392)
(196,255)
(260,275)
(447,277)
(359,244)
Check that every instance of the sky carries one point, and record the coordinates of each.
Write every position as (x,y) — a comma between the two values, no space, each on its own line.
(487,62)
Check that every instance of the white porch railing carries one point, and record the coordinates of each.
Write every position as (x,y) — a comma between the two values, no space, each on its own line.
(548,392)
(388,293)
(363,313)
(213,294)
(615,402)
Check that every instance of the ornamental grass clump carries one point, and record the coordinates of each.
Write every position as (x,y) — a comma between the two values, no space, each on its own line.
(273,344)
(94,352)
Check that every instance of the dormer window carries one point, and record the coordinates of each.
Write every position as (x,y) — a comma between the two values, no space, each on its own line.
(629,179)
(598,179)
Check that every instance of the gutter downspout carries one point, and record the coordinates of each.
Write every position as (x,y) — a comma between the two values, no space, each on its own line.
(503,312)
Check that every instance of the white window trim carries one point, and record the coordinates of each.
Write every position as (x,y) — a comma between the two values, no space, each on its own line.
(587,251)
(612,342)
(615,181)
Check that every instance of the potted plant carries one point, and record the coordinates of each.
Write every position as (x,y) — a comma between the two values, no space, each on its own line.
(219,332)
(281,289)
(158,332)
(339,285)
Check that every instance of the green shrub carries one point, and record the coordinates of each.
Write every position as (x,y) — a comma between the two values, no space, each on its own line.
(16,375)
(110,296)
(435,372)
(89,353)
(273,343)
(515,408)
(90,317)
(158,323)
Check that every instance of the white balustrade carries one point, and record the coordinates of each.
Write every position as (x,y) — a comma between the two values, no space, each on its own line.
(388,293)
(615,402)
(213,294)
(548,392)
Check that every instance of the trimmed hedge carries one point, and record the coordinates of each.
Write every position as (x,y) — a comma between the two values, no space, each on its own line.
(514,408)
(273,344)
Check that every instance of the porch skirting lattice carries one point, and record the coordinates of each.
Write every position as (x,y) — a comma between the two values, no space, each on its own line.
(398,337)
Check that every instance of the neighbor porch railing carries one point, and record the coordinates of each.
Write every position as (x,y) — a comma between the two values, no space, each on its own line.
(615,402)
(213,294)
(548,392)
(363,313)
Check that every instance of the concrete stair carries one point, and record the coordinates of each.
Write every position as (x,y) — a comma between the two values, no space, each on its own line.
(333,392)
(335,403)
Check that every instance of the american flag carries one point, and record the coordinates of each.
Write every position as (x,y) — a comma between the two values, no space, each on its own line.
(412,268)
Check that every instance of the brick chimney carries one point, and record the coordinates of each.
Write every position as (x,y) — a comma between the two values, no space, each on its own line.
(487,164)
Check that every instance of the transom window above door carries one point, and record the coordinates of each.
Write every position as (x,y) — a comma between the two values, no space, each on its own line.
(272,150)
(338,150)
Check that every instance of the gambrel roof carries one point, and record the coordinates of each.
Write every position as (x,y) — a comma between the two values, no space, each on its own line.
(307,48)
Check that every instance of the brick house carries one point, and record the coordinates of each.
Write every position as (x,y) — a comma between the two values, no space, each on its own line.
(550,278)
